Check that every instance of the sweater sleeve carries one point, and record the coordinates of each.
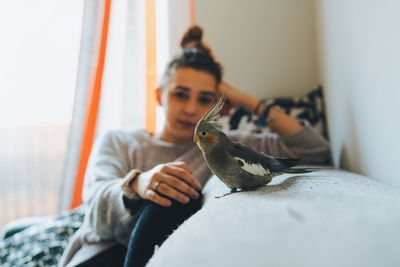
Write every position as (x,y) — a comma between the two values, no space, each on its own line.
(306,144)
(107,173)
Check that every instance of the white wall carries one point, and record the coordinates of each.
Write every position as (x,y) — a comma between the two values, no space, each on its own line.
(266,46)
(275,47)
(360,69)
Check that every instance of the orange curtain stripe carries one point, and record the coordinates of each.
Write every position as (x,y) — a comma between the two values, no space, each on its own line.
(192,13)
(150,65)
(92,110)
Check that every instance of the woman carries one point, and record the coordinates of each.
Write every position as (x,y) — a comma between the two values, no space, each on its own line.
(136,179)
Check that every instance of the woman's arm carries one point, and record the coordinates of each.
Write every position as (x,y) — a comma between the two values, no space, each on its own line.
(279,121)
(113,192)
(106,173)
(292,139)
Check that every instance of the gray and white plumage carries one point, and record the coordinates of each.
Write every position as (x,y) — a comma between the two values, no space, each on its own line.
(238,166)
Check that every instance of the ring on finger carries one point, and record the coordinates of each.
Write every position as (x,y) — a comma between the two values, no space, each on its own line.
(156,186)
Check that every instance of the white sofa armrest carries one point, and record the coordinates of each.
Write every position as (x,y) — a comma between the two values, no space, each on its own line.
(325,218)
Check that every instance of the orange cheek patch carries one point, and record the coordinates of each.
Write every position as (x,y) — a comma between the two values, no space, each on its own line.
(211,138)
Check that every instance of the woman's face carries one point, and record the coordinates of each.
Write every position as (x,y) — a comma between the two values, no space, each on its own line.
(186,96)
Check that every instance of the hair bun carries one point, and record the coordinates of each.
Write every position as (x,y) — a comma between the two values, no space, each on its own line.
(193,34)
(192,39)
(195,54)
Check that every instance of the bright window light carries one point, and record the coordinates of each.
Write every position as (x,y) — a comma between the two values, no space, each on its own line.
(39,53)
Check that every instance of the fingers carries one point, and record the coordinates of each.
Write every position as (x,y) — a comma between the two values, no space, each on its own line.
(177,185)
(156,198)
(170,192)
(180,164)
(181,172)
(175,182)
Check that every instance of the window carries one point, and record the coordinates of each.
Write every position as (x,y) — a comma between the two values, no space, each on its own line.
(39,59)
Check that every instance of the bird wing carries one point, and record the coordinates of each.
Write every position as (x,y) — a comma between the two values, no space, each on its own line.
(259,163)
(252,168)
(250,160)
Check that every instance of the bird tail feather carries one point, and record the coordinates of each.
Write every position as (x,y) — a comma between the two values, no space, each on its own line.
(301,170)
(288,162)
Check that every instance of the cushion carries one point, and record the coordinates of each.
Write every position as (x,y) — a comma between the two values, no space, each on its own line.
(325,218)
(41,244)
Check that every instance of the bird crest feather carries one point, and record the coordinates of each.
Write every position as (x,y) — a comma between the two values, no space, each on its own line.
(213,113)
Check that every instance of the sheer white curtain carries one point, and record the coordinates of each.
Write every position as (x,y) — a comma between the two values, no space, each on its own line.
(123,90)
(39,51)
(88,56)
(172,20)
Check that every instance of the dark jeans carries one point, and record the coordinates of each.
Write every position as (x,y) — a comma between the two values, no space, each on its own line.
(154,224)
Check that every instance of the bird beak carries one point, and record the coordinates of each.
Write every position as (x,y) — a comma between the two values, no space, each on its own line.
(195,138)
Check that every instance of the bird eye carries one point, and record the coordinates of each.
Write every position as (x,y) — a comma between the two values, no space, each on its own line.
(203,133)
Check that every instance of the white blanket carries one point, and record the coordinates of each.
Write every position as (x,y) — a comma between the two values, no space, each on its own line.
(325,218)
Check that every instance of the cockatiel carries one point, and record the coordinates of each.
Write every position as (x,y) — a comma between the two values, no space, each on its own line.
(236,165)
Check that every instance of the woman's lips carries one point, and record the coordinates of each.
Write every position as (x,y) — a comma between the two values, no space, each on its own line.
(186,124)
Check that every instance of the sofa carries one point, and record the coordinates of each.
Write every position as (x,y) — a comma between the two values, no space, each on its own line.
(329,217)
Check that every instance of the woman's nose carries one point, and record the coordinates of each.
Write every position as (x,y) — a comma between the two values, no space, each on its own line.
(190,107)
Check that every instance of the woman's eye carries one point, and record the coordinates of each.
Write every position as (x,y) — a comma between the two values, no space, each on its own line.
(205,100)
(180,95)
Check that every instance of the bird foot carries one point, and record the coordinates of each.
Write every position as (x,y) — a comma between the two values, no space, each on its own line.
(229,193)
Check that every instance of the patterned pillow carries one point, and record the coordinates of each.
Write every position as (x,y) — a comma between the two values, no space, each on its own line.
(309,107)
(41,244)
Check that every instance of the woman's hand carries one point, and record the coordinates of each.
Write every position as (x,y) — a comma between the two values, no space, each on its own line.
(235,97)
(232,94)
(167,181)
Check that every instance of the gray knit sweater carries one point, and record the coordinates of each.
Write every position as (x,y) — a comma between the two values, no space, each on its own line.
(117,155)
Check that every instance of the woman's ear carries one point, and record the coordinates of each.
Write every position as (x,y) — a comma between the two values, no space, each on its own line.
(159,96)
